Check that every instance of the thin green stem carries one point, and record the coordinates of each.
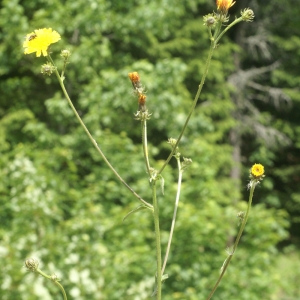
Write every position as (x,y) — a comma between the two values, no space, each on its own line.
(208,60)
(145,145)
(227,28)
(217,31)
(55,281)
(93,140)
(157,239)
(229,257)
(174,215)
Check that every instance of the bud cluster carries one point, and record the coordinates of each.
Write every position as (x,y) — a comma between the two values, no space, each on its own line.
(221,16)
(138,90)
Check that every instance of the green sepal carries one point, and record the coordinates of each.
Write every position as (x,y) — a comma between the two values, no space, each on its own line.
(163,279)
(140,207)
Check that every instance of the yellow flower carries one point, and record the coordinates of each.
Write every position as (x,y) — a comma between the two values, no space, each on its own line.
(257,171)
(224,5)
(39,41)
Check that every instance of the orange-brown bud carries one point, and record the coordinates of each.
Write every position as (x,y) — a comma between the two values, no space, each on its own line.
(142,99)
(142,102)
(134,77)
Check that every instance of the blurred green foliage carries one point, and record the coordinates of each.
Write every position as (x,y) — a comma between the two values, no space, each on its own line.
(60,203)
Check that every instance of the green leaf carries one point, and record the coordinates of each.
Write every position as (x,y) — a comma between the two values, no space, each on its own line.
(140,207)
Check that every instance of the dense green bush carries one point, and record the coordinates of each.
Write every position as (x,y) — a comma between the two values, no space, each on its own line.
(59,202)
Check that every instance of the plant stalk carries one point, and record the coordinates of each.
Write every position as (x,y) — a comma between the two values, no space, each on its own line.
(93,140)
(157,239)
(55,281)
(208,60)
(229,257)
(174,215)
(145,145)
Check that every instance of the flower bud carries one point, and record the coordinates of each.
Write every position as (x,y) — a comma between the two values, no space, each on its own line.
(54,278)
(47,69)
(134,77)
(65,54)
(172,142)
(240,215)
(209,20)
(142,102)
(31,264)
(186,163)
(247,15)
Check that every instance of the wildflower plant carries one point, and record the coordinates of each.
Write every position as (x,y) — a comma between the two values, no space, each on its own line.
(39,42)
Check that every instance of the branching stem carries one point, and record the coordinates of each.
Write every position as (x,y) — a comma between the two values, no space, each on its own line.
(92,139)
(53,280)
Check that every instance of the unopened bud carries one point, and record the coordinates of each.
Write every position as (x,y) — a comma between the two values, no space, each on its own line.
(172,142)
(186,163)
(247,15)
(134,77)
(54,277)
(142,102)
(209,20)
(47,69)
(32,264)
(65,54)
(240,215)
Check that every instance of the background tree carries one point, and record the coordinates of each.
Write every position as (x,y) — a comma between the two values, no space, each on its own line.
(60,203)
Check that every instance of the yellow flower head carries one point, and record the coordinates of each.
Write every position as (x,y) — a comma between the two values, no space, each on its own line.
(257,171)
(39,41)
(224,5)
